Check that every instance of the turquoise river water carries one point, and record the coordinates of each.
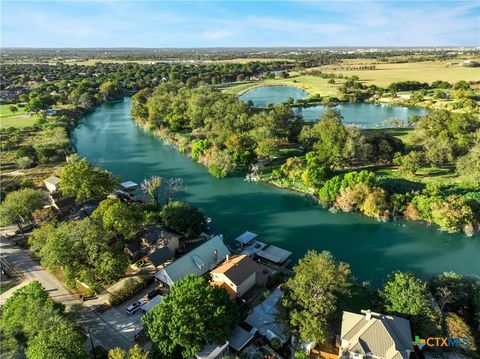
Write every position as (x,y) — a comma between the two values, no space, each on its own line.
(108,137)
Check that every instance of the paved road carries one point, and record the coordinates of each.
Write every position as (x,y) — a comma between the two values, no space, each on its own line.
(103,332)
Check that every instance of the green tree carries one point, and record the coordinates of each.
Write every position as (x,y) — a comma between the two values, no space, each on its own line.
(37,328)
(82,180)
(20,203)
(406,295)
(311,295)
(60,341)
(109,89)
(183,218)
(316,170)
(192,315)
(411,162)
(469,165)
(121,218)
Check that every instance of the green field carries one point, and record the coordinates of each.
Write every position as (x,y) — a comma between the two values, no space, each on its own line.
(427,71)
(311,84)
(18,119)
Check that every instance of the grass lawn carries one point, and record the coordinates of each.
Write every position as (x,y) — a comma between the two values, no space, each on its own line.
(17,119)
(427,71)
(311,84)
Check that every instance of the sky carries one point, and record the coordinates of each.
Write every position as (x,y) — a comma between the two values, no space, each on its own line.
(157,24)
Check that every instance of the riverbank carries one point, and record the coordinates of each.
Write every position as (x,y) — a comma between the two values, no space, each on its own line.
(280,217)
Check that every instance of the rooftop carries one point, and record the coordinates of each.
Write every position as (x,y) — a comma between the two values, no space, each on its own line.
(376,334)
(274,254)
(246,237)
(52,180)
(238,268)
(198,261)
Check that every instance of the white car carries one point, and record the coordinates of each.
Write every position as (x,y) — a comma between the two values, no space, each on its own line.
(134,307)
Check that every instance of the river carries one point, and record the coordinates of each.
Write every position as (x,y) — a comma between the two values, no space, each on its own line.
(108,137)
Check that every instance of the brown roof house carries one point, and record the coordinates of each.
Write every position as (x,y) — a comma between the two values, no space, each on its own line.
(374,335)
(154,245)
(237,275)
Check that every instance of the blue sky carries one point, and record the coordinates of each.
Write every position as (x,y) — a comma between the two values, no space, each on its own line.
(113,23)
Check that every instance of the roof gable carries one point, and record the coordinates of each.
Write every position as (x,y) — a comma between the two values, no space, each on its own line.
(382,336)
(198,261)
(238,269)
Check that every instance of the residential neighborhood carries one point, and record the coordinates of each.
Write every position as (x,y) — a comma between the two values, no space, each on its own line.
(238,179)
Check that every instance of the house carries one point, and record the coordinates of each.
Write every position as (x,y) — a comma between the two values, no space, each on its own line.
(52,183)
(212,351)
(149,240)
(198,261)
(237,275)
(264,320)
(374,335)
(60,203)
(159,257)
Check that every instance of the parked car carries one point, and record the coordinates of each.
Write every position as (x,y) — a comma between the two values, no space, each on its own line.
(134,307)
(153,293)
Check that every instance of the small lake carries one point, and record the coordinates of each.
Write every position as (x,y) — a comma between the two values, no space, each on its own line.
(108,136)
(362,115)
(365,115)
(265,95)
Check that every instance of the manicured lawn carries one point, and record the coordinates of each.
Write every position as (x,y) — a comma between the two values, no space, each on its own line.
(427,71)
(17,119)
(311,84)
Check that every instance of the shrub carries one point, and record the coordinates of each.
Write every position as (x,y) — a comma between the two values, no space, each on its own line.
(130,287)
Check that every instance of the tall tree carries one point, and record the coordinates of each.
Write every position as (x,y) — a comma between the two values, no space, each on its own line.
(406,295)
(82,180)
(34,326)
(191,316)
(20,203)
(310,296)
(183,218)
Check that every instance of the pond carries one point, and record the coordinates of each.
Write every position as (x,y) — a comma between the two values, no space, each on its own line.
(366,115)
(108,136)
(264,95)
(363,115)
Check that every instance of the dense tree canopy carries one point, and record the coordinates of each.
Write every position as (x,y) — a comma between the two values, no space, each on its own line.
(35,326)
(406,295)
(121,218)
(82,180)
(311,295)
(192,315)
(81,250)
(20,203)
(183,218)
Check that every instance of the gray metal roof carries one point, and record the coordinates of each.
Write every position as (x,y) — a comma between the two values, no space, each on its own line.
(382,335)
(239,338)
(198,261)
(264,317)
